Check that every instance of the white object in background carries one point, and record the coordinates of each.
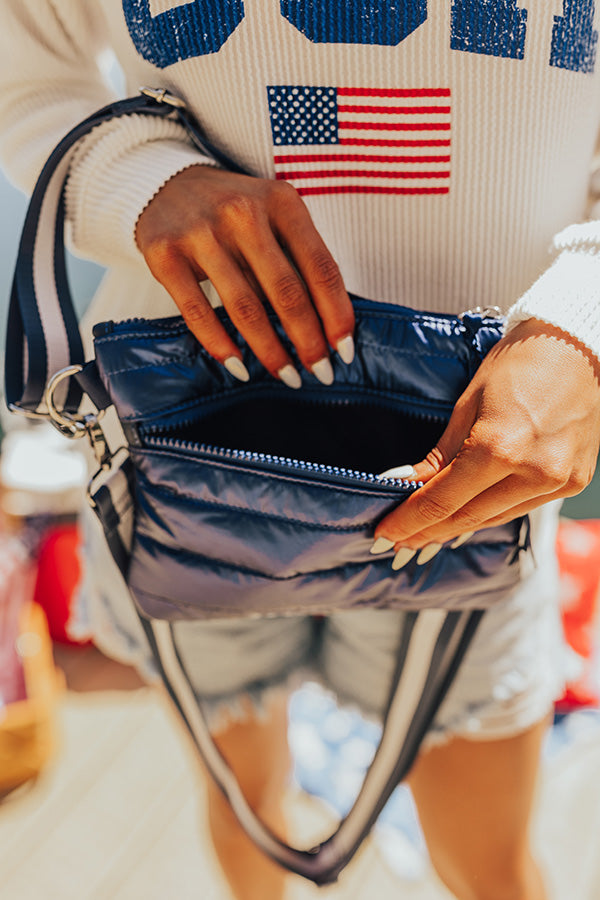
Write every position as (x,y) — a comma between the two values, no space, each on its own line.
(41,473)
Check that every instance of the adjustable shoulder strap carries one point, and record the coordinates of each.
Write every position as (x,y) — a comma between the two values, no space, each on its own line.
(43,333)
(431,649)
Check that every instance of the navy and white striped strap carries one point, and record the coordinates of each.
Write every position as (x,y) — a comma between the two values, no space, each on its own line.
(43,333)
(433,644)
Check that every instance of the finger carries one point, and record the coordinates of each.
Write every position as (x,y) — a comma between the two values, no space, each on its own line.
(522,509)
(457,430)
(249,316)
(296,231)
(289,298)
(449,444)
(491,505)
(472,472)
(181,281)
(288,374)
(427,548)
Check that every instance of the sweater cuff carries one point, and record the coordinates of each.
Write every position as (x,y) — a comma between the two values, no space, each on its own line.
(110,185)
(567,294)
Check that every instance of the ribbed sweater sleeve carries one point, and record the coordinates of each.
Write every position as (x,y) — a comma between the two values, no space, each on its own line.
(567,294)
(51,79)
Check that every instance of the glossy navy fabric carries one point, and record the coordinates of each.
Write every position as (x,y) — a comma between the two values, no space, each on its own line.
(227,534)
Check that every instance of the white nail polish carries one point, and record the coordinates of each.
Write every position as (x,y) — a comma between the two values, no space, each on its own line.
(461,539)
(323,371)
(427,553)
(237,368)
(290,376)
(399,472)
(404,555)
(381,545)
(345,348)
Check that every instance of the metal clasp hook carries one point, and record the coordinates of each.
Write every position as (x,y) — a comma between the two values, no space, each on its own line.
(73,426)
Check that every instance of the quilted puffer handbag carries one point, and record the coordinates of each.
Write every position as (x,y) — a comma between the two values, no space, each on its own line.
(245,499)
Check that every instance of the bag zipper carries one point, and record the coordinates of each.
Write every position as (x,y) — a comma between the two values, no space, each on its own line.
(281,464)
(156,437)
(175,323)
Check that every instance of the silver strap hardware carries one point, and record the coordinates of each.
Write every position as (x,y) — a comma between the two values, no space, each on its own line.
(76,427)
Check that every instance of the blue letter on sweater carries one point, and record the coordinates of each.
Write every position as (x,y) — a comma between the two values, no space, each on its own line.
(188,30)
(490,27)
(354,22)
(573,37)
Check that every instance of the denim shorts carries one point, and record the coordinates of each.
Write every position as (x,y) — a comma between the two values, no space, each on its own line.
(508,680)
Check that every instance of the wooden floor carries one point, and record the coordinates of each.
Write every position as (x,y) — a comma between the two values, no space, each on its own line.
(119,815)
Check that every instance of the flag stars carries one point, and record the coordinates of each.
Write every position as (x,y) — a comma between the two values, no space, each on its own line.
(303,114)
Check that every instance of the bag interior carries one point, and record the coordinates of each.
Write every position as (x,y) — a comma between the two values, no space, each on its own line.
(352,435)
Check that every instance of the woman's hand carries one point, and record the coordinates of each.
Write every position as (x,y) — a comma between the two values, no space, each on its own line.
(251,237)
(525,431)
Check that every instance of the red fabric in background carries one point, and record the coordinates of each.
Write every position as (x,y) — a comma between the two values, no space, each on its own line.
(578,548)
(58,577)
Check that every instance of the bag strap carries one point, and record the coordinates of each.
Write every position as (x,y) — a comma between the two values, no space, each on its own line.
(42,323)
(432,646)
(43,339)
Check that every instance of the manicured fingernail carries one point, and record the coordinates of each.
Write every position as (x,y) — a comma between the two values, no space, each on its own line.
(381,545)
(290,376)
(428,553)
(461,539)
(237,368)
(345,348)
(323,371)
(404,555)
(398,472)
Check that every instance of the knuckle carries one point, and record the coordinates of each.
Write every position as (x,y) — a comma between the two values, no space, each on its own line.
(237,211)
(196,314)
(201,239)
(246,310)
(284,193)
(556,476)
(430,509)
(468,522)
(578,482)
(547,476)
(290,297)
(502,451)
(162,255)
(326,272)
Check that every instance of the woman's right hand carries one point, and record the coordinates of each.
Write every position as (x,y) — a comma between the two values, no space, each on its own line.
(255,240)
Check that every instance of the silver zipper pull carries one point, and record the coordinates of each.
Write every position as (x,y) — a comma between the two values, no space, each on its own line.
(486,312)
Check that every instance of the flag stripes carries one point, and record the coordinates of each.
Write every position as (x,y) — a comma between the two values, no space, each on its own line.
(316,128)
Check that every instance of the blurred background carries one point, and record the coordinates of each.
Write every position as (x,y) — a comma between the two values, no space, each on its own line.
(99,791)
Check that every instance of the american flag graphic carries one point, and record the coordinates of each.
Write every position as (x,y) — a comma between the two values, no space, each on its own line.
(340,140)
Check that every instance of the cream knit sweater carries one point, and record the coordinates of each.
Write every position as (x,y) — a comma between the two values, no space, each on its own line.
(443,147)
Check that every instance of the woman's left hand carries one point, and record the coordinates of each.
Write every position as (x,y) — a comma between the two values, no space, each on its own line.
(525,431)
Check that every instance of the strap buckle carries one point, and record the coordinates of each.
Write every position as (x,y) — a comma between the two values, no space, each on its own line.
(73,426)
(162,96)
